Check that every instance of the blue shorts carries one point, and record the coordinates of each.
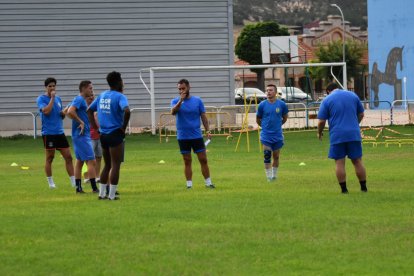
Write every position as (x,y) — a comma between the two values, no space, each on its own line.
(351,149)
(83,148)
(196,144)
(273,146)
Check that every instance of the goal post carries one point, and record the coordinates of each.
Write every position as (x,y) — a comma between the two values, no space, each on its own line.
(153,70)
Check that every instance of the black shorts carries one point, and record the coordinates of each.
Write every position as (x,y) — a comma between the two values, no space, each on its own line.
(196,144)
(112,139)
(55,142)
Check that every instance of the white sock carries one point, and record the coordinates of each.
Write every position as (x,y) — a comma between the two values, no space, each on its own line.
(189,183)
(207,181)
(72,181)
(112,190)
(50,181)
(274,170)
(268,173)
(102,190)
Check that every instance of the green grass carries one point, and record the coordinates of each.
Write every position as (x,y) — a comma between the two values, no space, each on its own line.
(299,224)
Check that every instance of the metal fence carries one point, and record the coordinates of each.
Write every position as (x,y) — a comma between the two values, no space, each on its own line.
(225,120)
(402,112)
(31,114)
(229,118)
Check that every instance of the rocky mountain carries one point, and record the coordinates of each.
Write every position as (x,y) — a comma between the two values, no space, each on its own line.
(298,12)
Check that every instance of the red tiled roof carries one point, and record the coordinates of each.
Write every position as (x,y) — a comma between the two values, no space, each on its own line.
(241,62)
(247,74)
(312,24)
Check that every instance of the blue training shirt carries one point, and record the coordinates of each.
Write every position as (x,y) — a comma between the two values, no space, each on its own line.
(341,109)
(81,107)
(188,118)
(110,106)
(272,117)
(52,124)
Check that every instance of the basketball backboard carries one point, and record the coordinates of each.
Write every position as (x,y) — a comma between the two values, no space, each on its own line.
(280,49)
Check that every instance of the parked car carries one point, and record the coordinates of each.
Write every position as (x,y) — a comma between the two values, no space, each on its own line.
(292,94)
(250,94)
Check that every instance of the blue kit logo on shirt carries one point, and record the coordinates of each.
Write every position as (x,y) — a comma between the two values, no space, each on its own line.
(278,110)
(105,105)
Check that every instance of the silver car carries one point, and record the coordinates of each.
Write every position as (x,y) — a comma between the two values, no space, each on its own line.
(250,94)
(292,94)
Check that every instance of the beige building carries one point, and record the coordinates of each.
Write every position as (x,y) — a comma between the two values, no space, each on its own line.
(314,34)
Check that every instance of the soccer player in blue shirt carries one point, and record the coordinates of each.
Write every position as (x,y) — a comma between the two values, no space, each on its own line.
(271,115)
(52,115)
(344,111)
(113,116)
(188,110)
(81,136)
(96,145)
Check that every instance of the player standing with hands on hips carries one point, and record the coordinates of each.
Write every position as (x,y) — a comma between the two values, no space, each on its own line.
(81,136)
(113,116)
(52,115)
(188,110)
(344,111)
(271,115)
(96,144)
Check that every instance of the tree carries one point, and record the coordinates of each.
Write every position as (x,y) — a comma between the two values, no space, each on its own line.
(332,52)
(248,47)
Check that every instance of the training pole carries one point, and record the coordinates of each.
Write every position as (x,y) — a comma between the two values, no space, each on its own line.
(258,132)
(244,122)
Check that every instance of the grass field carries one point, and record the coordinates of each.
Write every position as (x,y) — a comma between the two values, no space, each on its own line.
(300,224)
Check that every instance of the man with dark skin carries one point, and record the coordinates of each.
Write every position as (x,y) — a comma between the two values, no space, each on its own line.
(113,116)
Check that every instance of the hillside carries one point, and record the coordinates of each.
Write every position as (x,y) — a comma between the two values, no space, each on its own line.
(298,12)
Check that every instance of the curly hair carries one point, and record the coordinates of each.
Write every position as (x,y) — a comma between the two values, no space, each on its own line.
(115,81)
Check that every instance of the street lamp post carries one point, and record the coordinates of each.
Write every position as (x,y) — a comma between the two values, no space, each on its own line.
(343,46)
(343,31)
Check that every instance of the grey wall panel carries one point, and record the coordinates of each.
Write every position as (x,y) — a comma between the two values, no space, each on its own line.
(74,40)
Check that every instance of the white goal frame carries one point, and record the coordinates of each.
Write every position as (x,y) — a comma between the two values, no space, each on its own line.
(152,70)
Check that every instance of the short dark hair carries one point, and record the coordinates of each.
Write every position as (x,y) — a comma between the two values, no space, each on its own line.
(332,86)
(272,85)
(50,80)
(114,81)
(184,81)
(83,84)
